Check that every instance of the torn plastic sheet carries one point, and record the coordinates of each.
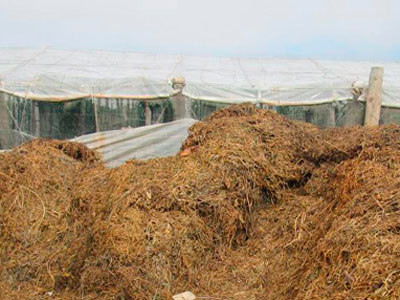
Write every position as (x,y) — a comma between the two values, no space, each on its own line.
(118,146)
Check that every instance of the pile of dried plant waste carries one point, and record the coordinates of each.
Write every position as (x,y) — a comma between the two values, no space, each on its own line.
(255,206)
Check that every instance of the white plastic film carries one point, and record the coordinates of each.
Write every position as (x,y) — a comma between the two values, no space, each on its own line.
(58,75)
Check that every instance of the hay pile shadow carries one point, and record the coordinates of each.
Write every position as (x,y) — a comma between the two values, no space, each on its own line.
(253,207)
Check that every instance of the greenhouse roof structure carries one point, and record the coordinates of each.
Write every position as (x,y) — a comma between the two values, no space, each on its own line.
(48,74)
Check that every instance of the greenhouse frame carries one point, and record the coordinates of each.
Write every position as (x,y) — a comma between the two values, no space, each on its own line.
(64,94)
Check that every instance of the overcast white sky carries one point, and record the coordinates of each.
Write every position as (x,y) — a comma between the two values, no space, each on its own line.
(337,29)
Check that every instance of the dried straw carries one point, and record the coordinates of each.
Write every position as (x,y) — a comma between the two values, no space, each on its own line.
(254,207)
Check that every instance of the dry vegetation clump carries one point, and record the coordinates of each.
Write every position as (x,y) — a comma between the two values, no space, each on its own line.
(75,150)
(335,237)
(43,238)
(254,207)
(358,255)
(228,174)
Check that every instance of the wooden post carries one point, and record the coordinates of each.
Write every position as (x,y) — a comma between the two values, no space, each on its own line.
(96,118)
(374,97)
(179,106)
(5,126)
(36,116)
(332,118)
(147,113)
(125,111)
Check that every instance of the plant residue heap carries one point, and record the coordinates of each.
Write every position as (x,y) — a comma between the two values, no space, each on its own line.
(255,206)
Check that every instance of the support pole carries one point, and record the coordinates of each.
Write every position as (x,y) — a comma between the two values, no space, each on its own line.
(179,106)
(5,124)
(147,113)
(179,101)
(374,97)
(125,111)
(96,117)
(36,116)
(332,118)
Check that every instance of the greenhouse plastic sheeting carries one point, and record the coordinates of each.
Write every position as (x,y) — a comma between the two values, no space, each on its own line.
(23,119)
(151,141)
(58,75)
